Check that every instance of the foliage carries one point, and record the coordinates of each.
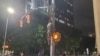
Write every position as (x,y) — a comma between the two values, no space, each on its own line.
(70,39)
(32,35)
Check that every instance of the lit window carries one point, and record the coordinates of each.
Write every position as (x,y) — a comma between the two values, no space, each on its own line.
(72,26)
(56,19)
(90,35)
(61,21)
(71,13)
(71,4)
(68,24)
(67,19)
(68,11)
(68,2)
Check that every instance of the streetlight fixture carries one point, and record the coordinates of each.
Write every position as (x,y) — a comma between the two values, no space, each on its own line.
(11,11)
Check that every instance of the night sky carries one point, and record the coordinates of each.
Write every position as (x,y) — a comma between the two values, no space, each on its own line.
(84,21)
(83,16)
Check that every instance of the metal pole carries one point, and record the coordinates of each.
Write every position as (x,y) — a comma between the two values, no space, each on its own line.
(52,12)
(26,6)
(4,43)
(52,47)
(32,4)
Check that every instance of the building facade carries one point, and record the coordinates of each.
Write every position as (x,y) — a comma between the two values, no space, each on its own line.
(64,14)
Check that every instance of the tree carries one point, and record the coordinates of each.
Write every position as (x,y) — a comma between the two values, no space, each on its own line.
(32,35)
(70,39)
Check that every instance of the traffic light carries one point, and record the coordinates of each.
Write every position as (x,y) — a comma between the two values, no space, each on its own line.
(21,23)
(56,36)
(28,18)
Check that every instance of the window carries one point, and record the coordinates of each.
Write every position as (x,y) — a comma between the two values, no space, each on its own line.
(59,16)
(71,13)
(72,26)
(68,11)
(56,19)
(61,21)
(71,4)
(68,24)
(67,19)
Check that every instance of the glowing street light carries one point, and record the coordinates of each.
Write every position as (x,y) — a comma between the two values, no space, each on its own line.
(11,11)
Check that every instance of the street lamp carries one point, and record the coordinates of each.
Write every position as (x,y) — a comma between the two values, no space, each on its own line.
(11,11)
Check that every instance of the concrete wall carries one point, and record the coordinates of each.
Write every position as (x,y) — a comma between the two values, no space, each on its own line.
(96,6)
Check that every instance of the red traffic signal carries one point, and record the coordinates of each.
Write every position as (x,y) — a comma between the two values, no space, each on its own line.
(21,23)
(28,18)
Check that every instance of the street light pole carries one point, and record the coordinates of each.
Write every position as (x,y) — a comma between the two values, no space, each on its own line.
(52,17)
(51,26)
(10,10)
(4,43)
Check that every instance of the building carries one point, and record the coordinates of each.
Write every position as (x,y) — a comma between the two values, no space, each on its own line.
(64,14)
